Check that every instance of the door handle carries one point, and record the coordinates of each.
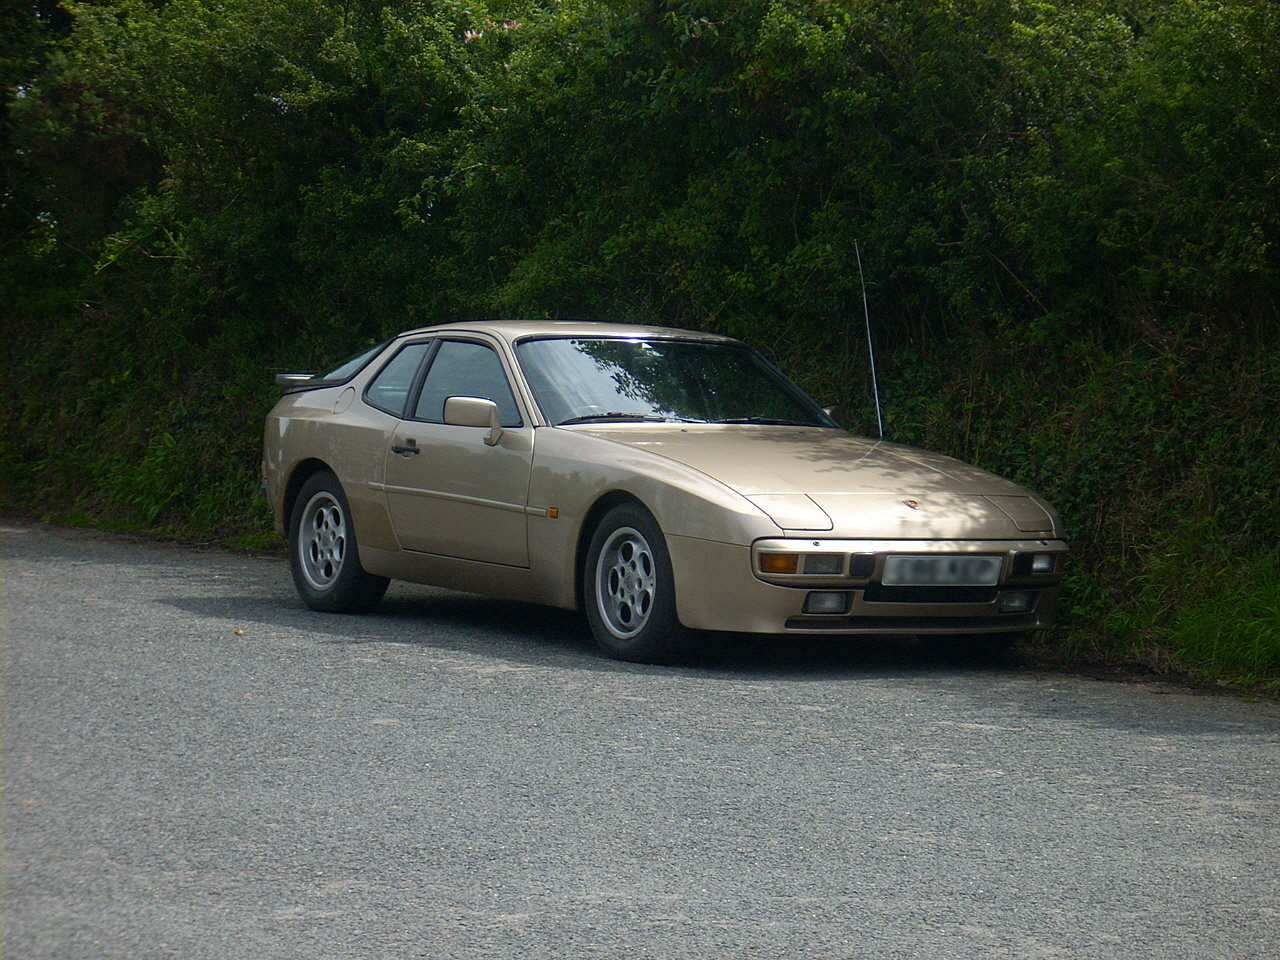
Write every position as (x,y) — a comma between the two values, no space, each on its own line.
(410,448)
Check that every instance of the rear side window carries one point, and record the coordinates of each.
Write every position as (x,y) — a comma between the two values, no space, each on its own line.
(389,390)
(465,369)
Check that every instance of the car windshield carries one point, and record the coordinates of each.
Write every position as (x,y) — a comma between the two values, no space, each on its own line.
(582,380)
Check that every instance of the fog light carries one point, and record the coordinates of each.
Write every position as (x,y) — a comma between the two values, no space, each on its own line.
(826,602)
(824,563)
(1044,563)
(778,562)
(1022,602)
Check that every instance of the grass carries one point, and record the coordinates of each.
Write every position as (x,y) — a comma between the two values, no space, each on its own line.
(1233,631)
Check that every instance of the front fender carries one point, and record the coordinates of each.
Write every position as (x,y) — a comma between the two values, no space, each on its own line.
(573,471)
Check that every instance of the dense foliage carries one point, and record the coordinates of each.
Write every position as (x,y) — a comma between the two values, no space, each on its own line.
(1066,216)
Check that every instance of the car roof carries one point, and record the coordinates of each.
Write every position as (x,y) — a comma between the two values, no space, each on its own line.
(513,330)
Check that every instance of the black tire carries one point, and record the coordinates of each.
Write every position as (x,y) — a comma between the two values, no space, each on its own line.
(323,556)
(629,591)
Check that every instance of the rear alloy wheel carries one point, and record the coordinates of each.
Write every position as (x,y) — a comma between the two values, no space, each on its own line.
(322,551)
(629,589)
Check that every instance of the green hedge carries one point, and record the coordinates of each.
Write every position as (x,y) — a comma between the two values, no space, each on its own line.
(1066,216)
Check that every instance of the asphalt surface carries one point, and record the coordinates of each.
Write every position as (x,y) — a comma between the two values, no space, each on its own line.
(195,767)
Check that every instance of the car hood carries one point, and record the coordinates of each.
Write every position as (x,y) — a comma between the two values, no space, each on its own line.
(816,480)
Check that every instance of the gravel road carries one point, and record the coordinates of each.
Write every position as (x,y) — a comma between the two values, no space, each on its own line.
(197,767)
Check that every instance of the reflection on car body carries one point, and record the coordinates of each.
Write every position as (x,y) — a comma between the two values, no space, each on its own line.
(663,481)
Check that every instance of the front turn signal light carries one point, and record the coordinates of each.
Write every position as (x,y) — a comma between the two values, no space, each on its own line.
(779,563)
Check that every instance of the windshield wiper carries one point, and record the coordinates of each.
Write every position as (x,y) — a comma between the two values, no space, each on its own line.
(622,417)
(771,421)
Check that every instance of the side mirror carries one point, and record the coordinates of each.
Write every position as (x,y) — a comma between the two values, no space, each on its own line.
(474,412)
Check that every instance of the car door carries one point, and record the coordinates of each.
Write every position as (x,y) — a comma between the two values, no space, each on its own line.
(448,491)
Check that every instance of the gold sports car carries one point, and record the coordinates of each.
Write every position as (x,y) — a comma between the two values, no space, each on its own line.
(664,481)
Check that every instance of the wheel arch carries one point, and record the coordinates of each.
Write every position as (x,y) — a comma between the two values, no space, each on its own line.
(303,471)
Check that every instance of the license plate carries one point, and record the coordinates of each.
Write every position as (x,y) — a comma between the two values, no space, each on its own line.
(935,571)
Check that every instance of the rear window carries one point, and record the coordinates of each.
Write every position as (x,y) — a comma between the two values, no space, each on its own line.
(350,368)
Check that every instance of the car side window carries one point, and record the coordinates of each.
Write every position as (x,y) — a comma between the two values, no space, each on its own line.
(389,390)
(462,368)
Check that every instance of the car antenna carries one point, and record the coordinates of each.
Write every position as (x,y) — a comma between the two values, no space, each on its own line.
(497,290)
(871,350)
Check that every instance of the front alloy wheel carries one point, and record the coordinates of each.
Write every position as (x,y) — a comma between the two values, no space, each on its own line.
(625,582)
(629,589)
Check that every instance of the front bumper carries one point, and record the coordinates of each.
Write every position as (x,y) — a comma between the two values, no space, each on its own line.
(718,588)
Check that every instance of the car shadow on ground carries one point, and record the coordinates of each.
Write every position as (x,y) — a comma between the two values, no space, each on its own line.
(528,634)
